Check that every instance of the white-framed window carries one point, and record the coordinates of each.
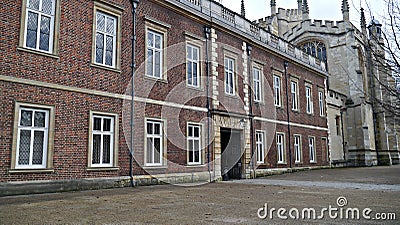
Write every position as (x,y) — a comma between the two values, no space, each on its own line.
(294,94)
(192,65)
(277,90)
(321,102)
(297,148)
(257,84)
(154,143)
(39,25)
(260,146)
(230,82)
(106,39)
(311,146)
(155,57)
(32,138)
(102,140)
(280,147)
(309,103)
(194,144)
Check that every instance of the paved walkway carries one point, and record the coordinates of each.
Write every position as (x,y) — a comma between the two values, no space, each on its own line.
(233,202)
(370,178)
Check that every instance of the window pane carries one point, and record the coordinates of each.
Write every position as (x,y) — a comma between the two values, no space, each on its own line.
(33,4)
(190,150)
(24,147)
(149,128)
(38,143)
(231,83)
(44,33)
(110,25)
(99,47)
(189,68)
(195,74)
(32,27)
(158,64)
(196,151)
(157,128)
(157,150)
(150,39)
(96,149)
(107,125)
(149,150)
(106,148)
(101,19)
(196,131)
(40,118)
(150,62)
(26,118)
(189,52)
(158,41)
(97,124)
(195,54)
(109,50)
(47,6)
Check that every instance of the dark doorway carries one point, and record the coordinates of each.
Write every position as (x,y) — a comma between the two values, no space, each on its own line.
(231,163)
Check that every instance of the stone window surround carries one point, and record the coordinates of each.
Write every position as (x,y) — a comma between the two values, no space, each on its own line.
(202,141)
(114,165)
(163,163)
(262,132)
(111,10)
(300,148)
(50,140)
(313,150)
(259,66)
(56,32)
(283,147)
(195,41)
(159,27)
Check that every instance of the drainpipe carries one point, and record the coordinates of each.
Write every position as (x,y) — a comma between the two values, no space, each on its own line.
(249,49)
(285,65)
(207,34)
(133,66)
(341,128)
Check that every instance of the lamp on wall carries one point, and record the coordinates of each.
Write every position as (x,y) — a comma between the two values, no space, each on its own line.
(242,122)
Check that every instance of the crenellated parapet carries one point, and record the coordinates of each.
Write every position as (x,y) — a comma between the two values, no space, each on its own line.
(320,26)
(289,14)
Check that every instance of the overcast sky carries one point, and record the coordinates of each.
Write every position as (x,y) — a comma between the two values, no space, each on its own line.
(319,9)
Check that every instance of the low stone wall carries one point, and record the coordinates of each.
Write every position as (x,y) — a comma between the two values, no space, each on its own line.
(270,172)
(50,186)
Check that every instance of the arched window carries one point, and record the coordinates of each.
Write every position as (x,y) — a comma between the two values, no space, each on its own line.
(316,49)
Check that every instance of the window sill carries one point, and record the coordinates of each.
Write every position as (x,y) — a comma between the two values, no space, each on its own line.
(195,165)
(102,169)
(232,96)
(31,171)
(282,163)
(163,80)
(38,52)
(155,167)
(195,88)
(105,68)
(313,162)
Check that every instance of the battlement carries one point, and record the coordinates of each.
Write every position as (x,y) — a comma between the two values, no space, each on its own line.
(320,26)
(289,14)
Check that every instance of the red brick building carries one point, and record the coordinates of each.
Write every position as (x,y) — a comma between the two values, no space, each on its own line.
(211,96)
